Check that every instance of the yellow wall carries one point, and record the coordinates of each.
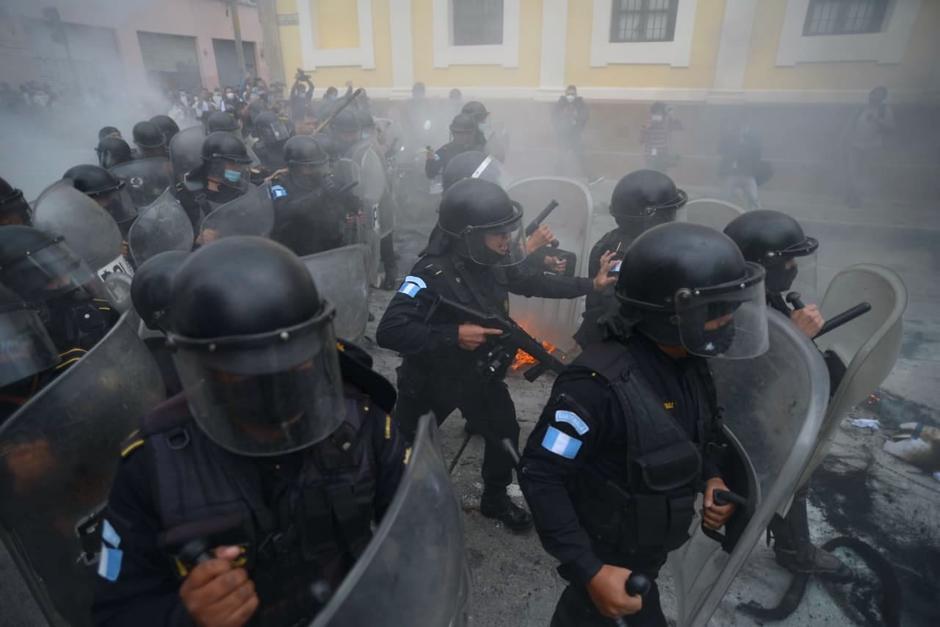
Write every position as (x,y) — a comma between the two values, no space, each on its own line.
(913,72)
(530,46)
(699,74)
(339,37)
(337,24)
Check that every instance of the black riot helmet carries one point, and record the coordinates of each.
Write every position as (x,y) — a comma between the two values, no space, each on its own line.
(39,267)
(644,199)
(225,159)
(255,351)
(221,121)
(25,346)
(148,135)
(106,189)
(13,206)
(346,121)
(476,110)
(270,129)
(688,285)
(777,242)
(151,287)
(167,126)
(113,151)
(464,123)
(307,160)
(485,224)
(472,164)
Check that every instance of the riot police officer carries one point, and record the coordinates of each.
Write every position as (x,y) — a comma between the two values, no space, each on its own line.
(345,133)
(42,271)
(149,140)
(272,134)
(167,126)
(113,151)
(222,176)
(641,200)
(777,242)
(447,358)
(13,207)
(612,468)
(107,190)
(465,136)
(310,208)
(151,293)
(252,494)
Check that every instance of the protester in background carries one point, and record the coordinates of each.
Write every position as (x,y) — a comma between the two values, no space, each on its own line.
(864,140)
(301,94)
(569,117)
(741,166)
(657,137)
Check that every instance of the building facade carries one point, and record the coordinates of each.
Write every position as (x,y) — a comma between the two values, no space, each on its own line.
(695,50)
(117,44)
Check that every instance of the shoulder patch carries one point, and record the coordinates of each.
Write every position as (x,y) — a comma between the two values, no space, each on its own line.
(109,563)
(573,419)
(560,444)
(109,535)
(412,285)
(278,191)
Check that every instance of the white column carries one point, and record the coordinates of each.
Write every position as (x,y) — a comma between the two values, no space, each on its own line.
(402,44)
(554,40)
(734,49)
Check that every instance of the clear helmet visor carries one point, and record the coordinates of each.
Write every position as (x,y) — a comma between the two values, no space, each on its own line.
(727,321)
(25,346)
(794,270)
(497,245)
(267,395)
(48,272)
(119,205)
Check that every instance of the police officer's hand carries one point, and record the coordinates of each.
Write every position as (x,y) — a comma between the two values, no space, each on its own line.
(555,264)
(602,280)
(715,516)
(542,236)
(608,591)
(471,336)
(218,594)
(808,320)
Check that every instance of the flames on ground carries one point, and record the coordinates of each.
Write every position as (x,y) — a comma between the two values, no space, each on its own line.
(524,359)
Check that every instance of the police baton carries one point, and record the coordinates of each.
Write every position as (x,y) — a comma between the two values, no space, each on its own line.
(347,101)
(637,584)
(796,301)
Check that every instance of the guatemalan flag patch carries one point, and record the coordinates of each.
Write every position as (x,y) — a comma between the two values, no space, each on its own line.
(560,444)
(411,286)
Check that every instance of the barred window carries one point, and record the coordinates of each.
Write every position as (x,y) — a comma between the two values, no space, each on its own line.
(477,22)
(845,17)
(643,20)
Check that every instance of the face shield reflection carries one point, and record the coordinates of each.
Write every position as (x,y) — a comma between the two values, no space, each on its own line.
(25,346)
(267,395)
(119,204)
(48,272)
(726,321)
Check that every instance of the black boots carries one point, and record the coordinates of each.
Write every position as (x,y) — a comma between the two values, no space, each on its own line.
(498,505)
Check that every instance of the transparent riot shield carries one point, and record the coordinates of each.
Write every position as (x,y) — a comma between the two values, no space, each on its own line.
(89,230)
(373,185)
(58,456)
(868,346)
(710,212)
(773,410)
(363,228)
(186,151)
(341,277)
(414,571)
(252,213)
(161,226)
(555,320)
(146,179)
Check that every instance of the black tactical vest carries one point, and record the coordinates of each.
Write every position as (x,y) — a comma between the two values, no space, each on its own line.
(303,539)
(652,510)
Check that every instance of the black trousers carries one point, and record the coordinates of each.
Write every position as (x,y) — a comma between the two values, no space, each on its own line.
(486,405)
(575,609)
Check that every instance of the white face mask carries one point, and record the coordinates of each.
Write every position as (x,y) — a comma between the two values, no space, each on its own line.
(570,97)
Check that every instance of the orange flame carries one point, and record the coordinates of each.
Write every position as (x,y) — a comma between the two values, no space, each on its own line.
(525,359)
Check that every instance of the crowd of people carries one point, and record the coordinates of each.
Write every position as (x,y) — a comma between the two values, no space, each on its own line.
(278,447)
